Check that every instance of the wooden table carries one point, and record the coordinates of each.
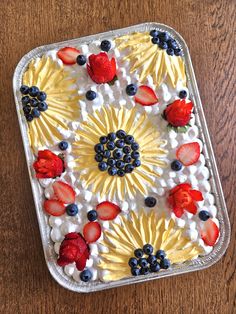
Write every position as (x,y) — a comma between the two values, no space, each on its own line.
(207,26)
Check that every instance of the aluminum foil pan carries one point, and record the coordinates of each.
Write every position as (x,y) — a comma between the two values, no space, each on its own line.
(50,255)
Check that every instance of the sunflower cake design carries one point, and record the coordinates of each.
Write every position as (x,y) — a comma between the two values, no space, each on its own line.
(117,154)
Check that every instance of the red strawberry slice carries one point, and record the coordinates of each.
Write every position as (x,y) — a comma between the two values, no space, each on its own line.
(188,153)
(92,231)
(146,96)
(63,192)
(209,232)
(107,210)
(68,55)
(54,208)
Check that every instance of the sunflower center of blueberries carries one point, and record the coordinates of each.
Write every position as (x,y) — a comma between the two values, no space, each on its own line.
(117,153)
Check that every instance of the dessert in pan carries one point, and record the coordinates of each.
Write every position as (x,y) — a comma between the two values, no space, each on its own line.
(125,186)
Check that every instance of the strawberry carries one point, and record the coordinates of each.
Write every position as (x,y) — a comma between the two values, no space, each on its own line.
(81,262)
(54,207)
(146,96)
(63,192)
(92,231)
(107,210)
(209,232)
(68,55)
(188,153)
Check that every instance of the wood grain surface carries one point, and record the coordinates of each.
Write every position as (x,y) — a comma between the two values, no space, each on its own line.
(209,29)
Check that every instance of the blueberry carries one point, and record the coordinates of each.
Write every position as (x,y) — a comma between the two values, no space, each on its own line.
(160,254)
(72,209)
(98,157)
(136,163)
(106,154)
(86,275)
(135,271)
(112,136)
(135,155)
(162,45)
(155,268)
(144,270)
(102,166)
(178,52)
(152,260)
(111,162)
(29,117)
(25,100)
(41,96)
(127,159)
(92,215)
(163,36)
(154,33)
(155,40)
(204,215)
(172,44)
(120,164)
(121,134)
(120,173)
(33,91)
(133,262)
(129,168)
(170,51)
(112,171)
(26,109)
(127,149)
(148,249)
(117,154)
(42,106)
(81,60)
(105,45)
(34,102)
(183,94)
(143,262)
(129,139)
(138,253)
(103,140)
(165,263)
(135,146)
(120,143)
(35,113)
(99,148)
(91,95)
(63,145)
(24,89)
(150,201)
(176,165)
(131,89)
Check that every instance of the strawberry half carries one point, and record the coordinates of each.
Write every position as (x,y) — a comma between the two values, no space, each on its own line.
(54,207)
(188,153)
(209,232)
(145,96)
(92,231)
(63,192)
(68,55)
(107,210)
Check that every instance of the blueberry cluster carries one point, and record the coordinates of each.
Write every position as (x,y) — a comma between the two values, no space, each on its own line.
(164,41)
(33,101)
(146,262)
(117,153)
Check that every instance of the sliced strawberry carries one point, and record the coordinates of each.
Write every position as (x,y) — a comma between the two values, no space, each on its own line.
(54,208)
(188,153)
(146,96)
(68,55)
(92,231)
(107,210)
(209,232)
(63,192)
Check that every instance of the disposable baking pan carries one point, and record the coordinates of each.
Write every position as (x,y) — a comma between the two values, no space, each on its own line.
(222,216)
